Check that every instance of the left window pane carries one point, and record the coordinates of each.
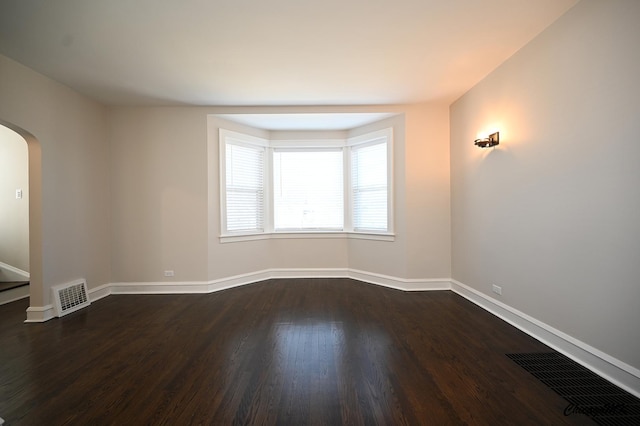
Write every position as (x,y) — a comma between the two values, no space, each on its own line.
(245,188)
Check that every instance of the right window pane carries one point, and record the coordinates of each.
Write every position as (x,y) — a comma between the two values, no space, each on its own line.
(369,187)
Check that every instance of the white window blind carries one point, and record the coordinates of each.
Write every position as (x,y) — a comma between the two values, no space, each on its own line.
(369,187)
(244,188)
(308,189)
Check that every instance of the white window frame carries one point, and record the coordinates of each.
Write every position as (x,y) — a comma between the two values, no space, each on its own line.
(252,142)
(373,138)
(385,135)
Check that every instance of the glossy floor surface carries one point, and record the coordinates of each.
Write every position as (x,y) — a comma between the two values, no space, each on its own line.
(285,352)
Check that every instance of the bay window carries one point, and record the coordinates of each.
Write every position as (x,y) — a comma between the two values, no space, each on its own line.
(270,189)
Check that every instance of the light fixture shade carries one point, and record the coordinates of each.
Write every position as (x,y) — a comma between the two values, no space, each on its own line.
(492,140)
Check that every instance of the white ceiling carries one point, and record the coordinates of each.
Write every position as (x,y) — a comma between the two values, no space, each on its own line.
(270,52)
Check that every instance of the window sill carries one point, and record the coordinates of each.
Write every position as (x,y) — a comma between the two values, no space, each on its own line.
(308,235)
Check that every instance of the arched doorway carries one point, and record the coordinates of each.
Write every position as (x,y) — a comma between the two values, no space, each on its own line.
(35,212)
(14,216)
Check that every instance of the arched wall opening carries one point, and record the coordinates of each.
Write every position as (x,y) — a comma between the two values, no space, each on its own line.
(14,216)
(36,292)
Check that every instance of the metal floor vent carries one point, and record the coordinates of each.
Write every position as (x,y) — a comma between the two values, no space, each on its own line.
(70,297)
(586,392)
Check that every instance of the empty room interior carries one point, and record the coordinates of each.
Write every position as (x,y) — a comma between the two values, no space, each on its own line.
(319,212)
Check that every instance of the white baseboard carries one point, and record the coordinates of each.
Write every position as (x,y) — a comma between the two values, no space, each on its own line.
(40,313)
(99,292)
(244,279)
(612,369)
(155,288)
(184,287)
(368,277)
(401,283)
(238,280)
(308,273)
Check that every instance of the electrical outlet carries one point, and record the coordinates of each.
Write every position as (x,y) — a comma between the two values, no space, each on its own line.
(168,273)
(497,289)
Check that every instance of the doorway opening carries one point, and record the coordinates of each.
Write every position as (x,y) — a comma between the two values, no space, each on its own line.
(20,215)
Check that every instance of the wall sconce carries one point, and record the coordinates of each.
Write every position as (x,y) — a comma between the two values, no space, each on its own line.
(492,140)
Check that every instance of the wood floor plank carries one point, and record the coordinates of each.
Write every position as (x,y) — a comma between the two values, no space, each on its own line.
(294,351)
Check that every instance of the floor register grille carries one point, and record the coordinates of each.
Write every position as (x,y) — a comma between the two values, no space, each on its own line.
(586,392)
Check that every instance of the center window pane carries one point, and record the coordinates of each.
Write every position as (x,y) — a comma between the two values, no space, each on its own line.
(308,189)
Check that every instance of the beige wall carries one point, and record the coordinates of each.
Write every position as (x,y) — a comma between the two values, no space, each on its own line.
(159,194)
(68,178)
(14,213)
(422,216)
(165,206)
(551,215)
(428,204)
(123,194)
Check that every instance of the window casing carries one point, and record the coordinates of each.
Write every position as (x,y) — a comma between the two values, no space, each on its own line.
(293,189)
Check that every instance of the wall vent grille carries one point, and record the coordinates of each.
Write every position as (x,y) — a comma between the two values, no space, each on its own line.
(585,391)
(70,297)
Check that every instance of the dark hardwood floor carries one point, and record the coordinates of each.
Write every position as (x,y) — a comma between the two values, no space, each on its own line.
(286,352)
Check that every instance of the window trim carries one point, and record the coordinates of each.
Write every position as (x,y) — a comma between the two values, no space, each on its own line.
(362,141)
(346,145)
(242,139)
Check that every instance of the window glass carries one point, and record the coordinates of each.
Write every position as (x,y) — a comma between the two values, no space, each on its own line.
(308,189)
